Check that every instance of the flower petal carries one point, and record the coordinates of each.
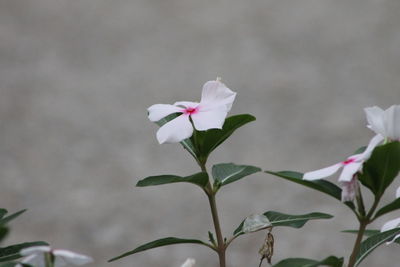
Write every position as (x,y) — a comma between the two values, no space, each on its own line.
(175,130)
(398,192)
(209,119)
(189,263)
(389,225)
(349,170)
(394,239)
(34,250)
(159,111)
(375,118)
(392,122)
(216,93)
(374,142)
(34,260)
(186,104)
(322,173)
(72,257)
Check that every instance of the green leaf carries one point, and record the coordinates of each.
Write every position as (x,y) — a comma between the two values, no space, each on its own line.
(302,262)
(369,232)
(160,243)
(187,143)
(226,173)
(3,212)
(281,219)
(5,220)
(12,252)
(381,168)
(395,205)
(371,243)
(319,185)
(3,232)
(211,139)
(200,179)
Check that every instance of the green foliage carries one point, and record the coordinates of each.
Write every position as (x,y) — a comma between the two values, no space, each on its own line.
(281,219)
(395,205)
(371,243)
(200,179)
(12,252)
(11,217)
(331,261)
(202,143)
(160,243)
(319,185)
(226,173)
(381,168)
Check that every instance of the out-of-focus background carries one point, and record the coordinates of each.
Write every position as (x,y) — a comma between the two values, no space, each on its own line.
(76,78)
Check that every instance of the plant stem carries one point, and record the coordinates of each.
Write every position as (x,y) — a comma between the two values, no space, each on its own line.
(220,249)
(220,241)
(363,225)
(357,244)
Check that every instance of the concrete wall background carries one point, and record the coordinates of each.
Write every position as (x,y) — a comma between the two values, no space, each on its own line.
(76,78)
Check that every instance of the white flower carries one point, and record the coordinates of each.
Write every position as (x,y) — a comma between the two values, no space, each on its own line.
(385,122)
(350,166)
(210,113)
(35,256)
(189,263)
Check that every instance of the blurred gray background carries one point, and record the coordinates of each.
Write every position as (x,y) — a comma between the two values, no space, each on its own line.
(76,77)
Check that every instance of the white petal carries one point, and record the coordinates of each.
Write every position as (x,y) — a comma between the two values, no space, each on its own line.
(398,192)
(72,257)
(216,93)
(374,142)
(322,173)
(389,225)
(34,260)
(375,118)
(34,250)
(349,170)
(186,104)
(159,111)
(189,263)
(175,130)
(209,119)
(392,122)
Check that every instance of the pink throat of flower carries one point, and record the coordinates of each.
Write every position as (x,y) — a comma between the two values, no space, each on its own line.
(190,111)
(348,161)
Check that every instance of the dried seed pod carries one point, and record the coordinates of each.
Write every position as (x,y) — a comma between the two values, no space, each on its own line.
(267,249)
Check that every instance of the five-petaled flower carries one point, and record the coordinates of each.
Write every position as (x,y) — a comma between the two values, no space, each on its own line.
(351,166)
(210,113)
(385,122)
(36,256)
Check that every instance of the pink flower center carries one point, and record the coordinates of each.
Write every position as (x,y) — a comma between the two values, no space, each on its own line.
(348,161)
(190,111)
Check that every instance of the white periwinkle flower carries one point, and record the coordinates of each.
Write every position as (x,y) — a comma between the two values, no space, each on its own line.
(351,166)
(210,113)
(189,263)
(35,256)
(384,122)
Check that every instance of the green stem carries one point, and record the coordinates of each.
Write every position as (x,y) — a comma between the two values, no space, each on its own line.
(357,244)
(49,259)
(361,230)
(220,241)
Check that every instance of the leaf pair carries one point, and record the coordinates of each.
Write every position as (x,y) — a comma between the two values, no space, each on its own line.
(223,174)
(202,143)
(275,218)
